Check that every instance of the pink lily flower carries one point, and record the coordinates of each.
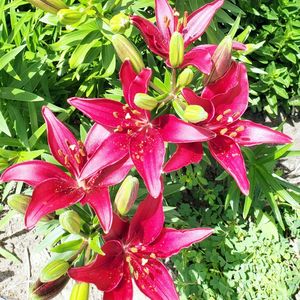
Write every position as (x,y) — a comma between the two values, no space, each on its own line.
(136,134)
(225,101)
(192,27)
(134,249)
(54,189)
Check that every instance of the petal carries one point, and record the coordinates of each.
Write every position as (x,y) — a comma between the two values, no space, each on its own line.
(199,58)
(32,172)
(211,48)
(113,149)
(106,271)
(147,222)
(95,137)
(250,134)
(124,290)
(62,142)
(152,36)
(193,99)
(118,230)
(147,151)
(164,15)
(103,111)
(185,155)
(49,196)
(175,130)
(229,156)
(172,241)
(199,20)
(154,280)
(99,200)
(115,173)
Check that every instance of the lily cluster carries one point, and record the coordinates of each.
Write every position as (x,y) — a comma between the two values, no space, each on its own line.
(135,134)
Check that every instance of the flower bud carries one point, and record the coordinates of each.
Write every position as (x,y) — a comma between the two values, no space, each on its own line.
(126,195)
(18,202)
(145,101)
(48,290)
(119,23)
(80,291)
(69,16)
(126,50)
(70,221)
(221,60)
(3,163)
(185,78)
(54,270)
(176,51)
(51,6)
(195,113)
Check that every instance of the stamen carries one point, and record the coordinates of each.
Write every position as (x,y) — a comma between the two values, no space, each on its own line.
(136,275)
(185,17)
(119,129)
(115,114)
(128,259)
(240,128)
(236,114)
(136,112)
(60,153)
(77,158)
(66,161)
(233,134)
(152,255)
(129,132)
(125,106)
(223,131)
(227,111)
(133,249)
(219,118)
(80,144)
(146,270)
(82,152)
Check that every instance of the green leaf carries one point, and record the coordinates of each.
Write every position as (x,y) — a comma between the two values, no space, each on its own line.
(10,93)
(67,246)
(8,57)
(9,255)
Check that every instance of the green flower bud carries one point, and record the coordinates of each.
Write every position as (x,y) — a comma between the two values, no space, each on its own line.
(54,270)
(69,16)
(145,101)
(80,291)
(221,61)
(18,202)
(126,50)
(70,221)
(119,23)
(126,195)
(176,51)
(48,290)
(51,6)
(195,113)
(185,78)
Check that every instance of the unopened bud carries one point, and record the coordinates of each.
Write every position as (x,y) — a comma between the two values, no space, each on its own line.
(145,101)
(51,6)
(69,16)
(119,23)
(185,78)
(80,291)
(195,113)
(70,221)
(18,202)
(176,51)
(126,195)
(126,50)
(221,60)
(54,270)
(48,290)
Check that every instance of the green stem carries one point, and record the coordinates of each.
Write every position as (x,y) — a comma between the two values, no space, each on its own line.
(156,88)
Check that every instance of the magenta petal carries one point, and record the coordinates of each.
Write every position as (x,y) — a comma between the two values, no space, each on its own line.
(62,142)
(164,15)
(251,134)
(95,137)
(172,241)
(99,200)
(106,112)
(238,46)
(175,130)
(32,172)
(49,196)
(147,151)
(199,20)
(118,230)
(152,36)
(147,222)
(154,280)
(124,290)
(199,58)
(229,156)
(106,271)
(113,149)
(185,155)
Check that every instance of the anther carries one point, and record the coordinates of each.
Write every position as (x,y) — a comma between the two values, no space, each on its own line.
(133,249)
(128,259)
(233,134)
(136,275)
(236,114)
(115,114)
(146,271)
(119,129)
(223,131)
(82,152)
(227,111)
(60,153)
(66,159)
(219,118)
(136,112)
(129,132)
(240,128)
(152,255)
(77,158)
(185,17)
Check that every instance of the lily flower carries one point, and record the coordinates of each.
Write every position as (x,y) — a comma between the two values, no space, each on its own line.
(135,132)
(54,189)
(133,249)
(191,27)
(225,101)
